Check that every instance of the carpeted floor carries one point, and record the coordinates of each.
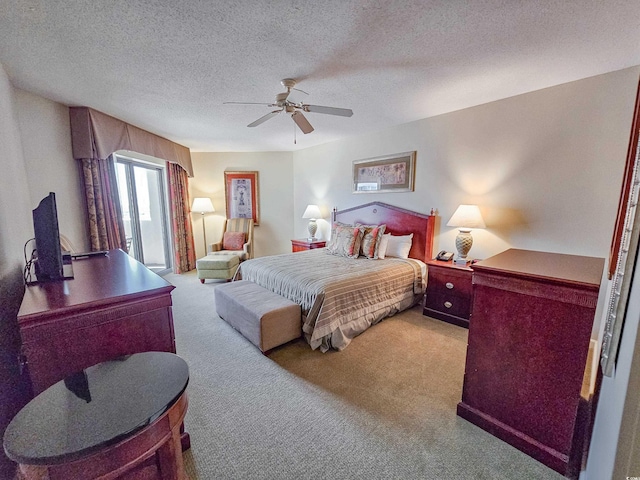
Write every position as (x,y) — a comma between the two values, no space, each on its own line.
(383,408)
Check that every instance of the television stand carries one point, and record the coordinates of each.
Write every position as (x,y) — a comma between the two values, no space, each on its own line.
(114,306)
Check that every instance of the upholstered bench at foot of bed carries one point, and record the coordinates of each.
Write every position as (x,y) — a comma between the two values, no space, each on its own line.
(221,266)
(265,318)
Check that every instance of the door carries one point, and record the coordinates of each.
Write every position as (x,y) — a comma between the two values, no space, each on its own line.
(144,212)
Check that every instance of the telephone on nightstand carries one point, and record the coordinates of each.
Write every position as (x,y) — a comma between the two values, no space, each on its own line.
(444,256)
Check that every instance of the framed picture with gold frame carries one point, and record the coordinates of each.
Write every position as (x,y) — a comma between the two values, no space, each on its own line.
(241,195)
(390,173)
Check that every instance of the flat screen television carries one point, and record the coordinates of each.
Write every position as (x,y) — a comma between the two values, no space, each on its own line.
(48,266)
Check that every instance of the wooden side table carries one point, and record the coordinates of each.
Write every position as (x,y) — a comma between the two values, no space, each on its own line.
(126,416)
(449,292)
(301,244)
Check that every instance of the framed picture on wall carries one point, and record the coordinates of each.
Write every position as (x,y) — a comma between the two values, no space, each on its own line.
(241,194)
(390,173)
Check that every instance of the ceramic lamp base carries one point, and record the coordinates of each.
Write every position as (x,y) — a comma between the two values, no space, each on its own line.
(313,228)
(464,240)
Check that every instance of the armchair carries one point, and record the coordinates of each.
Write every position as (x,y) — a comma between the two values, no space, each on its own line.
(237,225)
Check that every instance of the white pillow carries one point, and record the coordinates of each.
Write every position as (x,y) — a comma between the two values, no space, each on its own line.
(384,242)
(399,246)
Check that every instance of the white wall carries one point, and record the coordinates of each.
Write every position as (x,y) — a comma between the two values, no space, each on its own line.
(275,179)
(15,201)
(46,134)
(15,230)
(545,167)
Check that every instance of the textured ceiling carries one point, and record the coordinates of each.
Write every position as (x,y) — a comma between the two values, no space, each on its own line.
(168,66)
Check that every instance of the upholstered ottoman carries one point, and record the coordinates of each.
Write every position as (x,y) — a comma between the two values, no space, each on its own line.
(265,318)
(221,266)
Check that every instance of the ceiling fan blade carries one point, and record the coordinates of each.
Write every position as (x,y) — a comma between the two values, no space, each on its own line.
(264,118)
(246,103)
(302,122)
(343,112)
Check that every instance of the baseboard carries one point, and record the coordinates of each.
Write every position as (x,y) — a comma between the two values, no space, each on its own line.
(544,454)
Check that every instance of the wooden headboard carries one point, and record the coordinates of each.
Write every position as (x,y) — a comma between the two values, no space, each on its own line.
(399,222)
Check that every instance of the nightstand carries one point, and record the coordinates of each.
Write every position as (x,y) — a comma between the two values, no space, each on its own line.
(300,244)
(449,292)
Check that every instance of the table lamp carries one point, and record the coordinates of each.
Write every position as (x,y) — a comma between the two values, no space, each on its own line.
(203,205)
(465,218)
(312,212)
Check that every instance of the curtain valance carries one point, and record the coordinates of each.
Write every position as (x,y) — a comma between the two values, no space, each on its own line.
(97,135)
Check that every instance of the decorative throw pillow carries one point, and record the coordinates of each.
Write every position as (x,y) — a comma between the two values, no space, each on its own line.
(399,246)
(371,238)
(345,241)
(384,242)
(233,240)
(337,224)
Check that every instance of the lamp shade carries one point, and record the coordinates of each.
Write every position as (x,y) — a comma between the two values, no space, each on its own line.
(312,211)
(202,205)
(467,216)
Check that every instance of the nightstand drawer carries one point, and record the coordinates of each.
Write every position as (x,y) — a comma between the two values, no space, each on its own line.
(449,304)
(449,292)
(443,281)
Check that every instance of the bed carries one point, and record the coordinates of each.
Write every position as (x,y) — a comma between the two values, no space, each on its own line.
(342,297)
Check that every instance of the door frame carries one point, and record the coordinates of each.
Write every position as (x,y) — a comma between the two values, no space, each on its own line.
(129,163)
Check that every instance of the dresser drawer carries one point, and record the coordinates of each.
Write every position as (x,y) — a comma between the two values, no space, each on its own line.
(457,306)
(443,280)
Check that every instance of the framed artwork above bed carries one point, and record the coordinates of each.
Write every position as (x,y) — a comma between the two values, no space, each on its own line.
(390,173)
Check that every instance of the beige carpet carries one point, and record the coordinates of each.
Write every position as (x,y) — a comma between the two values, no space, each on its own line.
(403,371)
(382,408)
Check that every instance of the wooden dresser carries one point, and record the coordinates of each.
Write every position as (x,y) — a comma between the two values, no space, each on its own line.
(114,306)
(529,335)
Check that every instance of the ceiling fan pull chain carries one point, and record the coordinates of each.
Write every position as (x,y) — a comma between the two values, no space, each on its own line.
(295,142)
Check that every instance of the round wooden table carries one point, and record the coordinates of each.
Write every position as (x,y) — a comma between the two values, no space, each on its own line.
(116,419)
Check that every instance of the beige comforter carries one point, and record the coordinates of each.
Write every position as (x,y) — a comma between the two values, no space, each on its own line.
(340,297)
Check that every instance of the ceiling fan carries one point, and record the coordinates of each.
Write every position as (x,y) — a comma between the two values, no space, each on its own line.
(290,102)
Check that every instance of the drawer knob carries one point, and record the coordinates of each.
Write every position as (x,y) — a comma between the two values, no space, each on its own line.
(448,304)
(449,285)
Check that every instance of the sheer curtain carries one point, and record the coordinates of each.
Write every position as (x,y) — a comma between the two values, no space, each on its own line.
(104,215)
(183,246)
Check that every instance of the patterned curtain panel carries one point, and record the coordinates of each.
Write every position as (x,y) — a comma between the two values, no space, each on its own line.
(106,228)
(184,248)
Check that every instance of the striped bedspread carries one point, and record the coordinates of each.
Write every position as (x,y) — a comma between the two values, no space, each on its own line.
(337,293)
